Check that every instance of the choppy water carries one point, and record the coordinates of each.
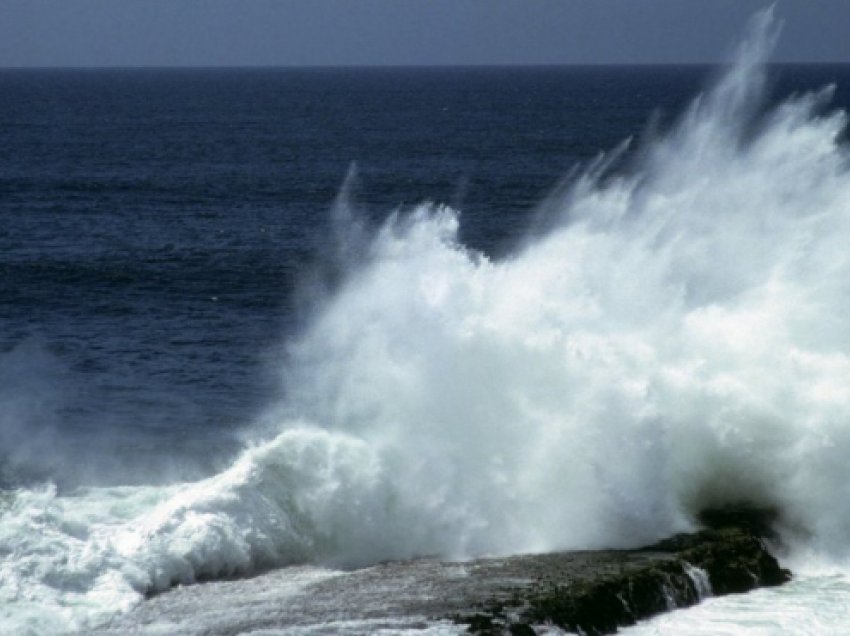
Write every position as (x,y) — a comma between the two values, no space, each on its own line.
(205,374)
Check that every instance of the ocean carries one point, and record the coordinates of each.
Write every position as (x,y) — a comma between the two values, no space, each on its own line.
(263,329)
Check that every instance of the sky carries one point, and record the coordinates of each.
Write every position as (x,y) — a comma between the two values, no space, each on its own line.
(95,33)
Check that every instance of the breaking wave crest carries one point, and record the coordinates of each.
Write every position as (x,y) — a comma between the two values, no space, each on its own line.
(678,339)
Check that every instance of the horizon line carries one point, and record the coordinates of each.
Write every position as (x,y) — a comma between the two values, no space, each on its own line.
(516,65)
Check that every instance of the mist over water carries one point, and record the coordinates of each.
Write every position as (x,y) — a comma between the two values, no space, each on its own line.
(676,339)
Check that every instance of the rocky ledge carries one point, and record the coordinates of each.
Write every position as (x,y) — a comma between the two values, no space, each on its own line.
(593,592)
(729,556)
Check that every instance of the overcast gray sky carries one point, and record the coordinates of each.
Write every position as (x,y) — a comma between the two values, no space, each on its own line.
(399,32)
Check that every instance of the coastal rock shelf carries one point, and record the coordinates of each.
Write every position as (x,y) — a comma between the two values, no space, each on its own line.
(597,592)
(593,592)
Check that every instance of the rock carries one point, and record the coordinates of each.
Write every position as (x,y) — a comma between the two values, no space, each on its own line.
(732,555)
(593,591)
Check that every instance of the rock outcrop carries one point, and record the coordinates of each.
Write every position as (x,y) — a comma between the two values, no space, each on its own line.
(729,557)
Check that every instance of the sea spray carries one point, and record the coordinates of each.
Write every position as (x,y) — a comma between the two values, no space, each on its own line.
(676,339)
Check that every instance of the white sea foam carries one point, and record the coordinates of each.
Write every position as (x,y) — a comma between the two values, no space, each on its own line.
(678,339)
(808,605)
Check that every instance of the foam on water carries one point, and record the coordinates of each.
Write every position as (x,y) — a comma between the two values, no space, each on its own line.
(678,339)
(808,605)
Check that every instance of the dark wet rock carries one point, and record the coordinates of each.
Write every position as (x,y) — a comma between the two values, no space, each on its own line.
(592,591)
(733,558)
